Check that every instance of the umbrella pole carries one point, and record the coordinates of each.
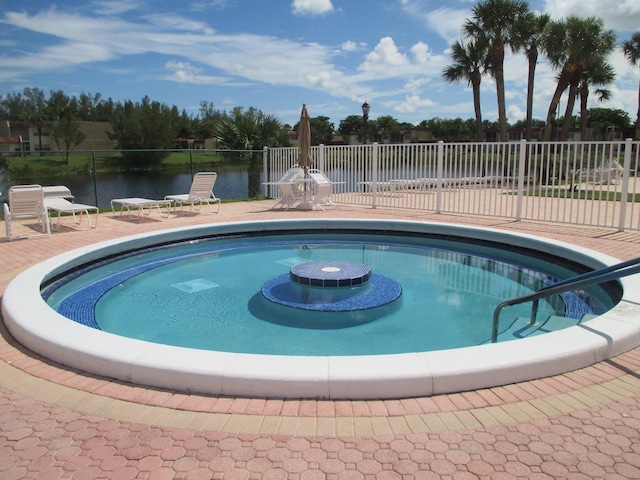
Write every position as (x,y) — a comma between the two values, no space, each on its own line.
(307,204)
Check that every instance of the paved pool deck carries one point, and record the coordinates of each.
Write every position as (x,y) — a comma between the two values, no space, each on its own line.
(57,423)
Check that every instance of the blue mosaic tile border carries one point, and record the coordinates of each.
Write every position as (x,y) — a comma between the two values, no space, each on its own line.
(80,306)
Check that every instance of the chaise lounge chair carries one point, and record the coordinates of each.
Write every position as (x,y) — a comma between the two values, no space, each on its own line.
(201,192)
(26,202)
(62,205)
(290,188)
(322,189)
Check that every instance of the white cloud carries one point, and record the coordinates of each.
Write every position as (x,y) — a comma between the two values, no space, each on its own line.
(180,23)
(510,94)
(322,80)
(421,52)
(184,72)
(115,7)
(415,85)
(350,46)
(386,54)
(209,5)
(412,103)
(311,7)
(616,14)
(387,61)
(76,39)
(445,21)
(515,113)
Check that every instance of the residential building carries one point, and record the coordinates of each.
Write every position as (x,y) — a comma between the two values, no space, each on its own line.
(26,138)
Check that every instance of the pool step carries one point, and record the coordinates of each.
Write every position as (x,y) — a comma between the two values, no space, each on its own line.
(521,328)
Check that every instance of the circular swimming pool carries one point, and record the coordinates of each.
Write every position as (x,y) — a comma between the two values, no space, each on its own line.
(297,252)
(339,293)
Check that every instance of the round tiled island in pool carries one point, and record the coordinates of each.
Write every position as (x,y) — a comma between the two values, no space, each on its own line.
(330,274)
(331,286)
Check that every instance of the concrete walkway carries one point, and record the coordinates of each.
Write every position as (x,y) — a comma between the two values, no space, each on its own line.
(62,424)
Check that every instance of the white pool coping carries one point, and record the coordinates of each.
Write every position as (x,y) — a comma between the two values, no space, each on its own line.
(38,327)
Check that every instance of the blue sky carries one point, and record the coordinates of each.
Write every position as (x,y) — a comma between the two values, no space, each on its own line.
(276,55)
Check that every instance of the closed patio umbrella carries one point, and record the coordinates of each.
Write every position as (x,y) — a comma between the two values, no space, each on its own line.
(304,139)
(304,143)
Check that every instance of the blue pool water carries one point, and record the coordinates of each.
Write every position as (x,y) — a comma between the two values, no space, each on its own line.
(207,294)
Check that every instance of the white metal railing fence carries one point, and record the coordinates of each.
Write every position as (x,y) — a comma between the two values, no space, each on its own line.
(585,183)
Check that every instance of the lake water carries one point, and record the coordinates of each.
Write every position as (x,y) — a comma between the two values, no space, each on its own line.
(232,183)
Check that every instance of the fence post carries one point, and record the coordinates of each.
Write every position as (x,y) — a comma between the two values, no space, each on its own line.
(95,178)
(320,162)
(191,162)
(440,176)
(521,169)
(265,169)
(624,198)
(374,173)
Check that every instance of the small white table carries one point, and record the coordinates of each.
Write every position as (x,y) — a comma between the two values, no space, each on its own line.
(143,205)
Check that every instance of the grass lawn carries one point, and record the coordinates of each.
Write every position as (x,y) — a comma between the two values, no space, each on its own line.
(51,164)
(555,192)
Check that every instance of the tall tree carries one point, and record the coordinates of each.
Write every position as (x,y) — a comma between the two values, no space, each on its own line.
(249,131)
(532,31)
(66,134)
(469,61)
(36,110)
(207,119)
(11,106)
(570,45)
(146,125)
(350,124)
(321,130)
(497,24)
(60,105)
(631,50)
(597,75)
(87,106)
(601,119)
(450,129)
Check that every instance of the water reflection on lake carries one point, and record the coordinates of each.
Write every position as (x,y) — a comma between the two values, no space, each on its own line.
(232,183)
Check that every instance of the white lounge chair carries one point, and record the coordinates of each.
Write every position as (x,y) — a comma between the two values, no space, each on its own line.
(201,192)
(290,188)
(62,205)
(26,202)
(142,205)
(322,189)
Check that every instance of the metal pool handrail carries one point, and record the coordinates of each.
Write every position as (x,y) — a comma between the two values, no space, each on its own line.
(596,277)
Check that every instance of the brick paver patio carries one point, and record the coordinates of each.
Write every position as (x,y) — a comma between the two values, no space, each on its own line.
(62,424)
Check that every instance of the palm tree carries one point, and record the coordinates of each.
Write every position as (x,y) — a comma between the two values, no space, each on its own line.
(596,74)
(533,27)
(248,132)
(631,50)
(496,23)
(469,61)
(570,45)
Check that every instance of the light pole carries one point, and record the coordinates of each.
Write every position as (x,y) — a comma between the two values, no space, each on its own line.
(365,117)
